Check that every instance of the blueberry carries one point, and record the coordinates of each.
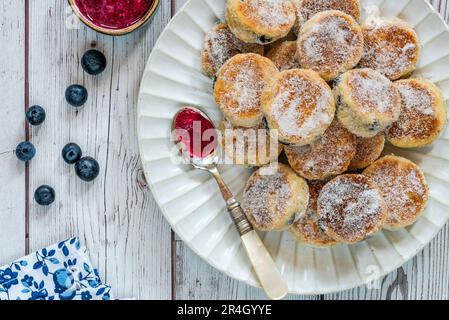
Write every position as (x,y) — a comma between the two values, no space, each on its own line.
(93,62)
(25,151)
(44,195)
(76,95)
(87,168)
(71,153)
(35,115)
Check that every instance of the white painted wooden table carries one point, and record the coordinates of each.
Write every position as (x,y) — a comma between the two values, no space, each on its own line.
(116,216)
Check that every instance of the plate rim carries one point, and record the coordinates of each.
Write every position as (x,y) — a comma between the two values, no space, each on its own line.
(173,226)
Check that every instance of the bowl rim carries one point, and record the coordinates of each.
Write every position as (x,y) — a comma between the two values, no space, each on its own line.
(115,32)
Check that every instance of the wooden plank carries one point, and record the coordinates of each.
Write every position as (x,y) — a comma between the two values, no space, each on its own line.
(12,130)
(424,277)
(442,6)
(115,216)
(197,280)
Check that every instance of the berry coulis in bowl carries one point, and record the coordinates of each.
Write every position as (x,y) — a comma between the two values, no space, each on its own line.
(114,17)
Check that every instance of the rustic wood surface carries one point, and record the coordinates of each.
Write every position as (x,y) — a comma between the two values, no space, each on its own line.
(12,129)
(116,216)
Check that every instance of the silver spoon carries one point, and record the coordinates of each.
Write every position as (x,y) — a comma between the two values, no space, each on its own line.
(269,276)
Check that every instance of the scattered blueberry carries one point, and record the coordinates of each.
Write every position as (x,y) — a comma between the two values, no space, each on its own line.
(25,151)
(93,62)
(44,195)
(35,115)
(71,153)
(87,168)
(76,95)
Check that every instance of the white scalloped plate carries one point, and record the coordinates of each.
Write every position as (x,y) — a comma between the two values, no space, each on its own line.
(189,198)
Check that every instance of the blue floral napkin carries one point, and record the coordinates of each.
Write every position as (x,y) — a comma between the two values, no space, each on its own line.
(60,272)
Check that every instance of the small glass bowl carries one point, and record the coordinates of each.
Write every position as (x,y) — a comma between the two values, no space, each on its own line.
(115,32)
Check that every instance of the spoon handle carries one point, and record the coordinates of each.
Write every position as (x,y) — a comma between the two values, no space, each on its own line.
(269,276)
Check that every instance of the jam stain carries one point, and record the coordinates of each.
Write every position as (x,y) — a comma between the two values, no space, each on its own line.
(114,14)
(193,130)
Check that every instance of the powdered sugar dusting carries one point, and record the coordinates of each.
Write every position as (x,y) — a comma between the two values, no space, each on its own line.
(403,187)
(415,99)
(351,207)
(301,106)
(267,197)
(328,157)
(330,43)
(244,81)
(373,91)
(390,48)
(309,8)
(221,45)
(418,118)
(251,146)
(247,87)
(284,56)
(368,151)
(308,227)
(271,13)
